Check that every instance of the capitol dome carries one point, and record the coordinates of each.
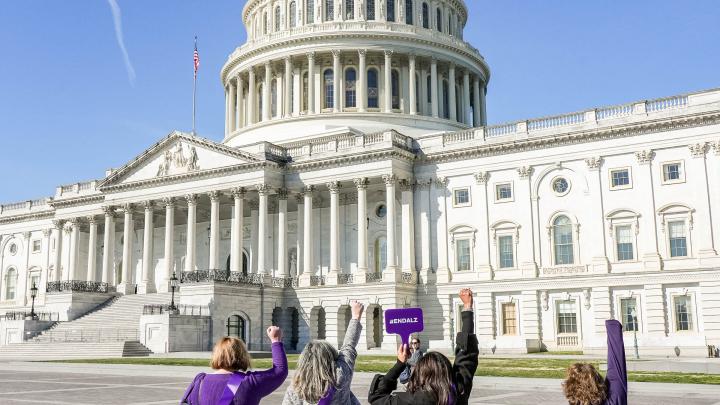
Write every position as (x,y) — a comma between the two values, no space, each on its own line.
(374,65)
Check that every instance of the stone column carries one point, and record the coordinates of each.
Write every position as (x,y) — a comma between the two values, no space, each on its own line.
(362,243)
(267,107)
(698,164)
(297,95)
(148,278)
(434,88)
(254,234)
(361,87)
(190,236)
(388,81)
(283,269)
(413,86)
(424,212)
(169,259)
(45,275)
(390,273)
(24,276)
(483,260)
(408,227)
(597,238)
(92,249)
(239,102)
(528,258)
(443,271)
(483,112)
(476,101)
(58,237)
(287,87)
(648,224)
(108,265)
(263,191)
(337,75)
(227,109)
(214,250)
(299,233)
(232,109)
(466,97)
(308,262)
(452,100)
(334,187)
(126,284)
(236,233)
(251,97)
(74,235)
(311,83)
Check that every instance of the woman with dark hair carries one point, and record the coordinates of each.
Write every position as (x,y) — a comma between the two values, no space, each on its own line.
(584,385)
(434,380)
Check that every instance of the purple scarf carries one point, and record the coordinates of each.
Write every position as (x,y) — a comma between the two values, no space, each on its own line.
(231,388)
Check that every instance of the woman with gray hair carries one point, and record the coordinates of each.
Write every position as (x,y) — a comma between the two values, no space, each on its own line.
(324,374)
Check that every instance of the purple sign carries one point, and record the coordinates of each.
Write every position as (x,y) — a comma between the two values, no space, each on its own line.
(404,322)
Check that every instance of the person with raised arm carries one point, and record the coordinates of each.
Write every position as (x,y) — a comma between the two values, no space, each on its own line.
(585,386)
(434,380)
(324,374)
(232,382)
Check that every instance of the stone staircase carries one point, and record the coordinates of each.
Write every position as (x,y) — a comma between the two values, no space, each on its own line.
(109,331)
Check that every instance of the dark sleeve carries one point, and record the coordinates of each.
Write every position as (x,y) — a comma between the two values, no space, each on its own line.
(466,355)
(383,385)
(268,381)
(616,377)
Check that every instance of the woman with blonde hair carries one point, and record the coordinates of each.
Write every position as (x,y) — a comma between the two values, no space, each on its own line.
(324,374)
(584,385)
(232,383)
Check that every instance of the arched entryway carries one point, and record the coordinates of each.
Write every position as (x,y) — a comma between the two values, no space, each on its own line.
(374,326)
(317,323)
(343,320)
(235,327)
(244,263)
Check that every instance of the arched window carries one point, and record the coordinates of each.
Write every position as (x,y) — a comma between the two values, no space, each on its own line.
(260,102)
(350,93)
(321,324)
(310,12)
(372,90)
(380,254)
(446,100)
(265,23)
(425,16)
(458,104)
(293,14)
(329,10)
(409,12)
(430,90)
(277,18)
(328,83)
(370,10)
(563,240)
(10,283)
(305,91)
(395,88)
(417,93)
(438,20)
(390,7)
(273,98)
(349,9)
(236,327)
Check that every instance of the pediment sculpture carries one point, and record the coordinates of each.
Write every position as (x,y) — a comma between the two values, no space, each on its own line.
(177,161)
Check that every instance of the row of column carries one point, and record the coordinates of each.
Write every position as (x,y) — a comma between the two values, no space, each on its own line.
(242,104)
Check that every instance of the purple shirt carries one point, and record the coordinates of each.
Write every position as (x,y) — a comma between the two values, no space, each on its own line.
(206,389)
(616,377)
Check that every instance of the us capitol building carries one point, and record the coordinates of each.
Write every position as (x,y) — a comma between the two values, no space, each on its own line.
(357,164)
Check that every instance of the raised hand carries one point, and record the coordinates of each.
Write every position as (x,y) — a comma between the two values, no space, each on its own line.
(357,309)
(403,353)
(466,296)
(274,333)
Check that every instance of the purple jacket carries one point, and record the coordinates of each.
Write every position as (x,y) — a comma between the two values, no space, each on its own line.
(616,377)
(206,389)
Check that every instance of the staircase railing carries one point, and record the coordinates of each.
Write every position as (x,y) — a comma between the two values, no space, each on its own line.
(197,310)
(77,286)
(90,335)
(39,316)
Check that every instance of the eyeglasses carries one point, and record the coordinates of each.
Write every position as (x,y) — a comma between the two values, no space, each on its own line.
(415,343)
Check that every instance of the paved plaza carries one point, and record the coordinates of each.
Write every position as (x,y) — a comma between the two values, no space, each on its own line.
(57,383)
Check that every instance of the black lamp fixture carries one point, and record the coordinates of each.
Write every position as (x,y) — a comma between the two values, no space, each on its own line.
(33,295)
(173,286)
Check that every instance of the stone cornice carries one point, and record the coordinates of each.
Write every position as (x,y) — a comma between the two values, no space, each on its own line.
(571,138)
(72,202)
(342,161)
(27,217)
(201,174)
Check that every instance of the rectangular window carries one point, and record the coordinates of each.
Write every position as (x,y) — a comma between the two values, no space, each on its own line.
(620,178)
(310,15)
(672,172)
(34,280)
(503,192)
(624,240)
(509,320)
(505,247)
(462,252)
(678,239)
(628,308)
(566,317)
(683,313)
(461,197)
(36,246)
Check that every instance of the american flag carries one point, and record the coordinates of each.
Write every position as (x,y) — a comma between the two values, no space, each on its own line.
(196,58)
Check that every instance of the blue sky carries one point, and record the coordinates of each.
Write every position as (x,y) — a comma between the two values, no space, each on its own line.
(69,109)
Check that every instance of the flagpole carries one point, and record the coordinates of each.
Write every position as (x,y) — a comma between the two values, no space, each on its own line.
(194,92)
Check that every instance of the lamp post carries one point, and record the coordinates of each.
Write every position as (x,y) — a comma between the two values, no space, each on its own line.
(33,294)
(635,328)
(173,286)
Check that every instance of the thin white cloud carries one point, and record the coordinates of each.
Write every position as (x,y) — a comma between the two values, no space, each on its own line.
(117,19)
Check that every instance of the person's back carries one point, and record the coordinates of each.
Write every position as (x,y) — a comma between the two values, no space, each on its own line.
(325,374)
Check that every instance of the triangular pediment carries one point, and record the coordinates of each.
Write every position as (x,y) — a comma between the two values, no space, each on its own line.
(177,154)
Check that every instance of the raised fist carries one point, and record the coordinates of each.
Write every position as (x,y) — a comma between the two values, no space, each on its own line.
(274,333)
(357,309)
(403,353)
(466,296)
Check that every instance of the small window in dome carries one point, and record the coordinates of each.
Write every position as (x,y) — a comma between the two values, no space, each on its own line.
(381,211)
